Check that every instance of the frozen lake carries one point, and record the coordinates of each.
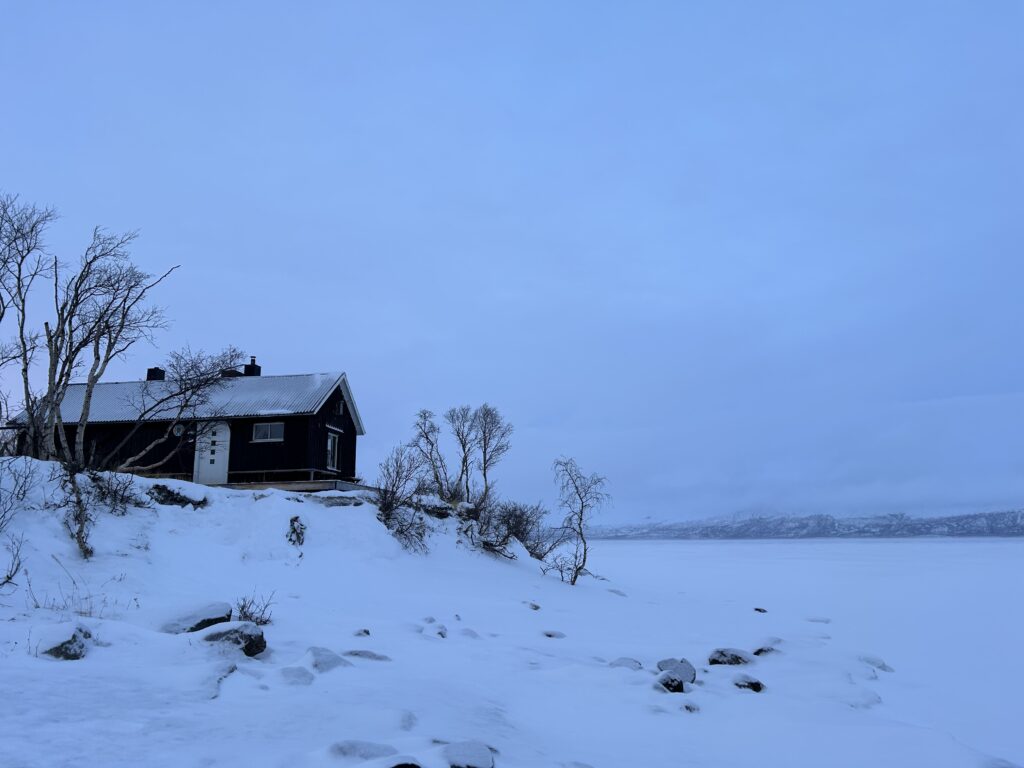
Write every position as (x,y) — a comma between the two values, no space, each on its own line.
(946,614)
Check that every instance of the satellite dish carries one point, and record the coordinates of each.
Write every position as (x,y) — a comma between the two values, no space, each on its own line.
(179,430)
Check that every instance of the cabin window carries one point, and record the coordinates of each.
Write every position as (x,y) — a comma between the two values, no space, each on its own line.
(269,432)
(339,408)
(332,450)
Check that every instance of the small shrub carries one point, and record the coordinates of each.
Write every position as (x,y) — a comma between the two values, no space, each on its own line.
(255,609)
(161,494)
(116,491)
(296,531)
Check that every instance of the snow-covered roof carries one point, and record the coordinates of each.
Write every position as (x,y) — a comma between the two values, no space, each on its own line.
(241,396)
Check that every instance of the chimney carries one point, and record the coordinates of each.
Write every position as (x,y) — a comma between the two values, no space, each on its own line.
(251,369)
(155,374)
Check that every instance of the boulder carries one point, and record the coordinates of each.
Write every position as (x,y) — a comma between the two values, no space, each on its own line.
(680,668)
(730,656)
(625,661)
(73,648)
(761,610)
(201,618)
(554,634)
(747,682)
(297,675)
(468,754)
(672,682)
(243,634)
(324,659)
(764,650)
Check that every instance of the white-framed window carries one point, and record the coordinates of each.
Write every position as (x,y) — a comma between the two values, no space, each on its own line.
(268,432)
(332,450)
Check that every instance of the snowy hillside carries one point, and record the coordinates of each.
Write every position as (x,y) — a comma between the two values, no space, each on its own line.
(377,657)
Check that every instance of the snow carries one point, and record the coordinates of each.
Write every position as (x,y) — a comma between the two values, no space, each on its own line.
(528,671)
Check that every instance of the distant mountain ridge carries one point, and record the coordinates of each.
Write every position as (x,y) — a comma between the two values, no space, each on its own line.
(826,526)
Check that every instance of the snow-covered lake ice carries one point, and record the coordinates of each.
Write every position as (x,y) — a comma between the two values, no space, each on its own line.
(946,614)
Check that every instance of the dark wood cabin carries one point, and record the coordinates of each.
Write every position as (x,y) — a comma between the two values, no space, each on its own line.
(255,429)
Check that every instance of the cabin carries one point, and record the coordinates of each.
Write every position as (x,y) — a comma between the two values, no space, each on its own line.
(253,430)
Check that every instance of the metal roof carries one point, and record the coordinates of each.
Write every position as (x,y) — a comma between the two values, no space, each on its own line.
(241,396)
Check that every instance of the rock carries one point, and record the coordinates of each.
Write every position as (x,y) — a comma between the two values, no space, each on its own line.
(73,648)
(363,750)
(681,668)
(362,633)
(468,754)
(761,610)
(554,634)
(691,707)
(406,762)
(731,656)
(671,682)
(877,663)
(628,663)
(244,634)
(297,675)
(765,650)
(533,606)
(324,659)
(441,631)
(361,654)
(201,618)
(748,683)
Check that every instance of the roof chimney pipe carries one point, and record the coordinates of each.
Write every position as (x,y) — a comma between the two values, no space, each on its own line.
(155,374)
(251,369)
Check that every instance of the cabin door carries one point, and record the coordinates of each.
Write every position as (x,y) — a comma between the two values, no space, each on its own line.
(212,453)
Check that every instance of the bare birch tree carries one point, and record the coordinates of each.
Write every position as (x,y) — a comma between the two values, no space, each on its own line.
(100,312)
(462,422)
(22,262)
(580,495)
(494,439)
(427,443)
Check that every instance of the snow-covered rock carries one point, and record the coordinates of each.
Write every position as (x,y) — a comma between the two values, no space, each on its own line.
(200,618)
(73,648)
(729,656)
(625,661)
(243,634)
(468,754)
(324,659)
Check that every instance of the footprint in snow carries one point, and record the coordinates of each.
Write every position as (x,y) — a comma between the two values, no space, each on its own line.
(408,721)
(370,655)
(467,632)
(297,675)
(819,620)
(618,592)
(362,750)
(877,663)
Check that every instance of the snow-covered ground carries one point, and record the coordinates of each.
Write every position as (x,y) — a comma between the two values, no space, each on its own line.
(489,651)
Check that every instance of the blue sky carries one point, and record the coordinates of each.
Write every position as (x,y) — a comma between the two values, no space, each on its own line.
(734,256)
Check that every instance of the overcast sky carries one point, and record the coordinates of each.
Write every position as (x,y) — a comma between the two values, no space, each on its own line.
(734,256)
